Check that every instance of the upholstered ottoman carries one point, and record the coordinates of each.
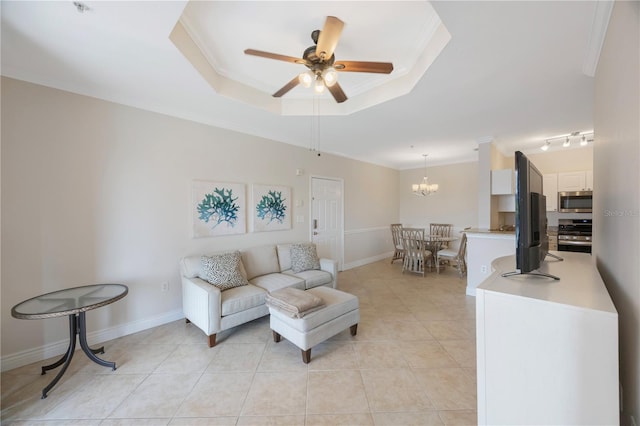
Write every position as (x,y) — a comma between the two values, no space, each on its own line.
(340,311)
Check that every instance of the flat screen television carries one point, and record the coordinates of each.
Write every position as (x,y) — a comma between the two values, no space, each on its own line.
(532,243)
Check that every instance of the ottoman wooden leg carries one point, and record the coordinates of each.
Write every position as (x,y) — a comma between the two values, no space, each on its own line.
(276,336)
(306,356)
(354,329)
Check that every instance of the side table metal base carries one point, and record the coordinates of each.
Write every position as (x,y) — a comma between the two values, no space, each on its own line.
(77,327)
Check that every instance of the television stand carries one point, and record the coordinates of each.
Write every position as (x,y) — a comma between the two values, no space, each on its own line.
(555,257)
(539,274)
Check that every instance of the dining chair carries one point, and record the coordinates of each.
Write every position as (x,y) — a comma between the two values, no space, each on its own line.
(441,230)
(396,234)
(415,255)
(457,256)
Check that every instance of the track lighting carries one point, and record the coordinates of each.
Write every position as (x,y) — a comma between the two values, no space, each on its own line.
(584,138)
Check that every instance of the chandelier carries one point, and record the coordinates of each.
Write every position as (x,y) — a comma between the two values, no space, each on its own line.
(424,188)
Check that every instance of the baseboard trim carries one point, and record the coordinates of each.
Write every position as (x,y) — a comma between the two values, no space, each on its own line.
(366,261)
(18,359)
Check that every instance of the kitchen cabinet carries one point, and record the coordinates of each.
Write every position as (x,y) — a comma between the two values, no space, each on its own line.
(550,190)
(502,182)
(575,181)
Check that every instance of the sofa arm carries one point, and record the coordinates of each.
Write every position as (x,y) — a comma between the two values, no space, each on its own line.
(330,266)
(202,304)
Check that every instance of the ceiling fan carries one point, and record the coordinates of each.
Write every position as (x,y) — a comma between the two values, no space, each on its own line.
(322,62)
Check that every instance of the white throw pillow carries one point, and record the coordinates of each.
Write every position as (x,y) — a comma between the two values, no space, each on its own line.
(304,257)
(223,270)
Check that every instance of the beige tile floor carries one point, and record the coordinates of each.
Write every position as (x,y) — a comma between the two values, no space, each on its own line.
(411,363)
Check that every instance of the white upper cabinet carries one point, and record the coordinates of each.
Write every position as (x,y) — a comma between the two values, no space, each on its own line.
(589,180)
(502,182)
(574,181)
(550,189)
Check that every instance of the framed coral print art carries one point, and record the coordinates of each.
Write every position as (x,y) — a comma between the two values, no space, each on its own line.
(218,208)
(271,208)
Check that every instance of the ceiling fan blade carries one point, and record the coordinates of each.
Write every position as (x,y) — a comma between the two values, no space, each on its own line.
(329,36)
(338,93)
(276,56)
(360,66)
(290,85)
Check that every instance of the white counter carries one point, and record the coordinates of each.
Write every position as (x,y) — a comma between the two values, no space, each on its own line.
(483,247)
(547,351)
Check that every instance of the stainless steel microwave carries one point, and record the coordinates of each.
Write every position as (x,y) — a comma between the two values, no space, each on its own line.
(575,202)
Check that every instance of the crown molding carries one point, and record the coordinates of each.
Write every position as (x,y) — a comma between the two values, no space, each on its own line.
(596,39)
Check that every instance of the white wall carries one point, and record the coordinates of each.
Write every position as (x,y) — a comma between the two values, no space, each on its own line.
(563,160)
(616,192)
(98,192)
(455,202)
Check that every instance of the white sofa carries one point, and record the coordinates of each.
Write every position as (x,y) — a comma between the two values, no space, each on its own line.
(267,268)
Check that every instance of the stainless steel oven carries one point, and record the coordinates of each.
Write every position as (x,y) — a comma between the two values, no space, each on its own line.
(574,235)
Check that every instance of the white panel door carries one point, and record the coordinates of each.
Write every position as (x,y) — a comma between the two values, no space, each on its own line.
(327,217)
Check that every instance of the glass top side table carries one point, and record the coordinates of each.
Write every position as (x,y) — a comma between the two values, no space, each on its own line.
(73,302)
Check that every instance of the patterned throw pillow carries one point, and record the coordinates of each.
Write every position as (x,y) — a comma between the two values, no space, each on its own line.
(223,270)
(304,257)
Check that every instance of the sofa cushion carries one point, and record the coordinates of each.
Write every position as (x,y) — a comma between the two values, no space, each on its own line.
(284,256)
(273,282)
(304,257)
(223,270)
(240,299)
(260,261)
(190,266)
(312,278)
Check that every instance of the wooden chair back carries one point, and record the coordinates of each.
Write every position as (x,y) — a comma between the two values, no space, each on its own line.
(414,252)
(398,248)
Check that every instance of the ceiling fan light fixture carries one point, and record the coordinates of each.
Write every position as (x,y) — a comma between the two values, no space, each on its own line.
(306,78)
(319,85)
(330,76)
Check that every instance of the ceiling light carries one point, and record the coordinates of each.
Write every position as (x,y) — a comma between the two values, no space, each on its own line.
(424,188)
(306,78)
(319,85)
(330,76)
(567,139)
